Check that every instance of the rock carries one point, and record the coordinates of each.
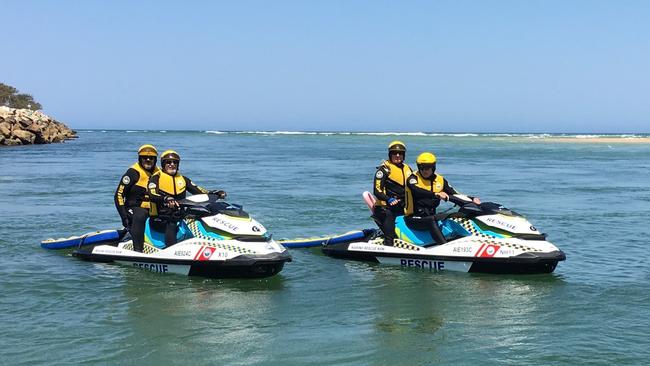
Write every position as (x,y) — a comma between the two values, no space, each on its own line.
(24,123)
(11,142)
(25,137)
(24,126)
(5,129)
(34,128)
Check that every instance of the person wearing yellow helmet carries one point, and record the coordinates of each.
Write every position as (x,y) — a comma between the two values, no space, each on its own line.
(389,185)
(424,191)
(131,198)
(166,187)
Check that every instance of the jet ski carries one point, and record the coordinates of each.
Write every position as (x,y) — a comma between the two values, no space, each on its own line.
(215,239)
(486,238)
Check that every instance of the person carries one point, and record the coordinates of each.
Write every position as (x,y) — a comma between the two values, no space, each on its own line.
(390,180)
(131,198)
(166,187)
(424,190)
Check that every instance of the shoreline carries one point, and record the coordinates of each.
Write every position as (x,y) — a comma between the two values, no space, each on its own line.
(520,137)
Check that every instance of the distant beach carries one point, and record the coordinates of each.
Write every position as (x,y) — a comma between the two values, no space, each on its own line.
(598,140)
(639,138)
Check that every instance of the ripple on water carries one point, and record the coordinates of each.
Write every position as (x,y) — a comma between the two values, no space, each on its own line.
(321,310)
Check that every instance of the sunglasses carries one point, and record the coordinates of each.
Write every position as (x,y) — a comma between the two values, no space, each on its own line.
(170,162)
(151,158)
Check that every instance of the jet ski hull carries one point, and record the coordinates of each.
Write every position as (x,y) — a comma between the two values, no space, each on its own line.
(245,266)
(524,263)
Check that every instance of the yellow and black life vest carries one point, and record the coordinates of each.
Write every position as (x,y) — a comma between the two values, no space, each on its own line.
(137,195)
(172,185)
(395,180)
(144,175)
(415,204)
(163,184)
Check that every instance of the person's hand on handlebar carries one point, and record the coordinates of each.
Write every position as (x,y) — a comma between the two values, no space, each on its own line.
(171,203)
(443,196)
(221,194)
(476,200)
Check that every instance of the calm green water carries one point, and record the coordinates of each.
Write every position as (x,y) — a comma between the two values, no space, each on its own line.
(592,199)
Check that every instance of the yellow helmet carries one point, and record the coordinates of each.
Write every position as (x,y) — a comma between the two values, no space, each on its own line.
(147,150)
(397,146)
(426,158)
(170,155)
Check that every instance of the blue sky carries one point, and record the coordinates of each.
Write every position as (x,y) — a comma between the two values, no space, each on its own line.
(433,66)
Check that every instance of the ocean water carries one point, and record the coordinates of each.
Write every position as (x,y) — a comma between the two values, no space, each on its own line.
(592,199)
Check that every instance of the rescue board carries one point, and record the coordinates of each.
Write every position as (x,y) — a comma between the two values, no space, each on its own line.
(326,240)
(92,238)
(370,200)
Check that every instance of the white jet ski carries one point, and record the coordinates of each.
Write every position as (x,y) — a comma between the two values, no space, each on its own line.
(215,239)
(486,238)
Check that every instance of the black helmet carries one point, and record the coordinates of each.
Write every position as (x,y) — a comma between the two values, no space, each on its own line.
(170,155)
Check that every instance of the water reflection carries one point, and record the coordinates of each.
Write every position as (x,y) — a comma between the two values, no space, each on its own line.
(172,314)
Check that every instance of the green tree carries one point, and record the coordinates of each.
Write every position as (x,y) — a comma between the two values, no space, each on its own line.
(9,97)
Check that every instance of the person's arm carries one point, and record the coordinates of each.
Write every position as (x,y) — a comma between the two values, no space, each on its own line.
(193,188)
(155,195)
(379,189)
(452,191)
(127,181)
(447,188)
(159,197)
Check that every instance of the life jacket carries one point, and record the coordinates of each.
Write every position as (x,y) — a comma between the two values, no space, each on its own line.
(171,185)
(395,180)
(138,195)
(423,205)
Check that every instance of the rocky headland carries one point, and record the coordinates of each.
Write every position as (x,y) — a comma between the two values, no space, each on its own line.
(25,127)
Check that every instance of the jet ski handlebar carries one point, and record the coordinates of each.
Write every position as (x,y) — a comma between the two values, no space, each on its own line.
(460,199)
(198,205)
(210,204)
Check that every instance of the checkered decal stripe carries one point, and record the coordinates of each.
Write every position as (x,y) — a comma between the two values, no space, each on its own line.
(469,226)
(523,248)
(215,243)
(194,229)
(398,243)
(233,248)
(148,248)
(502,244)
